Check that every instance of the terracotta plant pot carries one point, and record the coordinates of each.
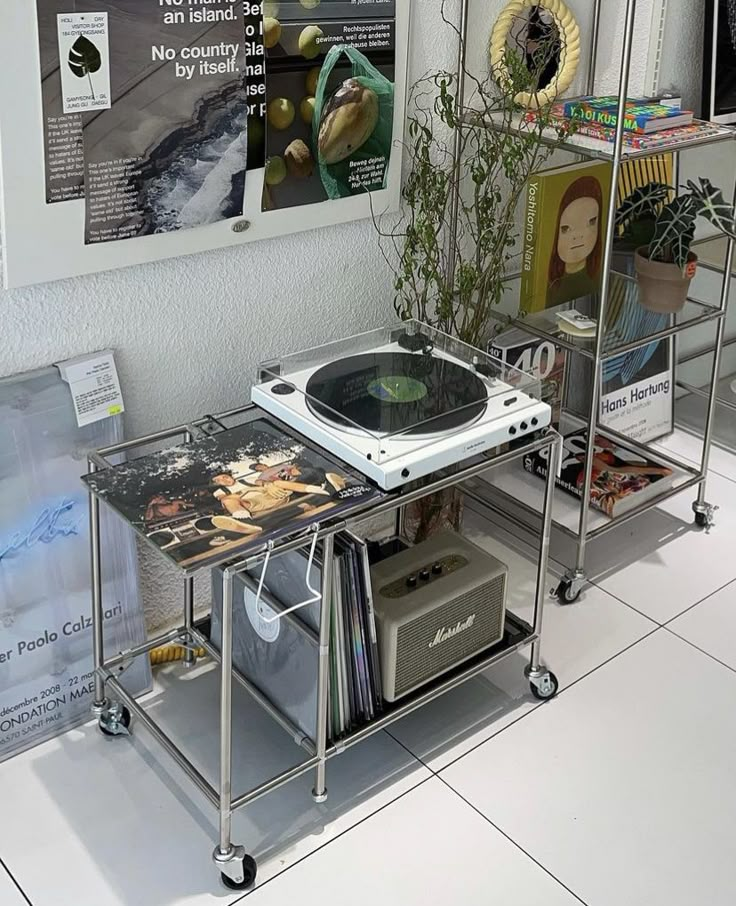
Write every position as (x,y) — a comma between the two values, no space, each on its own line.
(663,288)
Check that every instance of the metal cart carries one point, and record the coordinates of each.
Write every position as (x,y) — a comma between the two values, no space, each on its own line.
(585,524)
(114,706)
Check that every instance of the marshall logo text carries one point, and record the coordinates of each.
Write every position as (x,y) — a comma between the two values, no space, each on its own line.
(444,634)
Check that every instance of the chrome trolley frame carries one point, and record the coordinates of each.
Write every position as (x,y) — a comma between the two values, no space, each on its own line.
(111,699)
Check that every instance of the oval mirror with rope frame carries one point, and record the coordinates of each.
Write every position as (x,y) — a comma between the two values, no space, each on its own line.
(568,33)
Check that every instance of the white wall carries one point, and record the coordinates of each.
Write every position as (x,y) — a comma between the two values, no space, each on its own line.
(188,333)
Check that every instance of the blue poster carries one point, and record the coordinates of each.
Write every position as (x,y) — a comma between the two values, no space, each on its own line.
(46,680)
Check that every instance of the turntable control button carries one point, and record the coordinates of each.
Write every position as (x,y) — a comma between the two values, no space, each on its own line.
(512,430)
(282,389)
(411,581)
(524,426)
(437,569)
(424,575)
(511,401)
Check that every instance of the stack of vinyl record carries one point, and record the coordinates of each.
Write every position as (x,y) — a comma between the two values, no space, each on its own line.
(280,656)
(355,674)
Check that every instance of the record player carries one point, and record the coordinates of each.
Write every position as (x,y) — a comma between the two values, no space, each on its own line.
(401,402)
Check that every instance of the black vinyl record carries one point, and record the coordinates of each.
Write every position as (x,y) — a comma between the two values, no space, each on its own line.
(390,392)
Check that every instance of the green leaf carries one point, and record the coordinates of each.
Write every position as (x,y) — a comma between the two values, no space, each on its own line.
(714,206)
(674,232)
(84,57)
(642,204)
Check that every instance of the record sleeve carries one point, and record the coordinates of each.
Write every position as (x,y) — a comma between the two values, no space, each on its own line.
(364,578)
(207,501)
(278,658)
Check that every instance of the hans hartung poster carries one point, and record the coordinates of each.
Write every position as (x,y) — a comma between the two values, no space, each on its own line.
(216,496)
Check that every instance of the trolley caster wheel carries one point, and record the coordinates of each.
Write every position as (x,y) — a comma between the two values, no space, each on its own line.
(568,591)
(705,515)
(115,721)
(249,870)
(545,687)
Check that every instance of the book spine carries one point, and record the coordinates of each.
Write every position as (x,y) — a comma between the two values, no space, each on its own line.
(530,237)
(537,465)
(605,118)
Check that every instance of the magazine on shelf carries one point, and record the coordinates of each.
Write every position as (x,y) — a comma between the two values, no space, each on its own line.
(622,479)
(218,495)
(564,230)
(542,358)
(643,118)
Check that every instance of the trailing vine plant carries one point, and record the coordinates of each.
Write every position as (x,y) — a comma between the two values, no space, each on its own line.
(451,258)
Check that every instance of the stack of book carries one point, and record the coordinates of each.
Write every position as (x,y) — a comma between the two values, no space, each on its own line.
(622,479)
(649,125)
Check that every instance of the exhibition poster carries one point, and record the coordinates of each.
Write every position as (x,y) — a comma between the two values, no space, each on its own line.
(638,392)
(330,77)
(62,132)
(171,151)
(46,678)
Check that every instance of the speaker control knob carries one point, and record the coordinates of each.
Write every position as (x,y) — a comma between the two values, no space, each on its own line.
(524,426)
(437,569)
(512,430)
(411,581)
(424,575)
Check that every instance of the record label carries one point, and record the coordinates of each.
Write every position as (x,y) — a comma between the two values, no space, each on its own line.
(397,392)
(259,614)
(397,389)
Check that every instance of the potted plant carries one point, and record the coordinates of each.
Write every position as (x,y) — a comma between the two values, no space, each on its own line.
(469,155)
(664,261)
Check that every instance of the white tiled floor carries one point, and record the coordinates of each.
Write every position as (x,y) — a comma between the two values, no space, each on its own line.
(10,894)
(621,792)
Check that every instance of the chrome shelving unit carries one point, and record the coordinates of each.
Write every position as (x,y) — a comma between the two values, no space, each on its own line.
(589,524)
(114,706)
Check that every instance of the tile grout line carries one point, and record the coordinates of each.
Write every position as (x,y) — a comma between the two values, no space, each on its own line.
(513,842)
(671,619)
(327,843)
(407,749)
(605,591)
(701,650)
(12,878)
(562,691)
(698,603)
(670,452)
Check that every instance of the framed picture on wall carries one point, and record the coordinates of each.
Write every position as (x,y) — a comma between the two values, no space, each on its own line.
(719,62)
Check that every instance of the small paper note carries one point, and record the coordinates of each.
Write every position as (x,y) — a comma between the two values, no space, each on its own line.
(95,386)
(84,57)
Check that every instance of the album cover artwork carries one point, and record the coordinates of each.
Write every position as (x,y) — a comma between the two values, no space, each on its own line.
(220,494)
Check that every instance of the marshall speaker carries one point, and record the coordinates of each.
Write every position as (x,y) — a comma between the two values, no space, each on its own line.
(437,604)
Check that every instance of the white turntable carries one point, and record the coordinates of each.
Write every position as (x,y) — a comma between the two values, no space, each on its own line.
(401,402)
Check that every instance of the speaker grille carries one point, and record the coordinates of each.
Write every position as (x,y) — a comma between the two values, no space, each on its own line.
(416,662)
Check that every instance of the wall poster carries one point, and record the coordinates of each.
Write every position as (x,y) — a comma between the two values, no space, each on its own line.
(330,74)
(181,126)
(46,679)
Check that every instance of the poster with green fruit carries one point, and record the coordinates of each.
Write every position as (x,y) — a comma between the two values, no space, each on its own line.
(330,74)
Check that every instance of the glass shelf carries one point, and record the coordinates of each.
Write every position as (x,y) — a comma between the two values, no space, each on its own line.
(588,147)
(629,326)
